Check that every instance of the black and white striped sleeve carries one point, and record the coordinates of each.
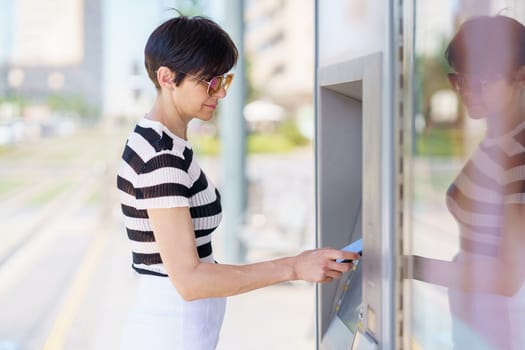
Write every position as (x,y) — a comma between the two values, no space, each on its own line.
(163,182)
(514,180)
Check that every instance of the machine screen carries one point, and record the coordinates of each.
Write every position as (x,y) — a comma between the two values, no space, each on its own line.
(350,305)
(350,297)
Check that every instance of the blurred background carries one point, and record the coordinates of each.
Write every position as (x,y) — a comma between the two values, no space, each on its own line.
(72,86)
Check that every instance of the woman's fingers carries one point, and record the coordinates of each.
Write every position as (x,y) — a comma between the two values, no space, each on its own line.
(334,274)
(346,255)
(321,265)
(326,279)
(334,269)
(340,266)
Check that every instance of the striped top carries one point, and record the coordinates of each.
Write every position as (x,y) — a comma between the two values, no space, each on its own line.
(493,177)
(158,170)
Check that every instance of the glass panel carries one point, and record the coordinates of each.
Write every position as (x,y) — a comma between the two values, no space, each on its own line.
(468,173)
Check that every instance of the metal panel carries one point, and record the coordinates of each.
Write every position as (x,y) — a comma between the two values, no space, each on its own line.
(339,178)
(349,166)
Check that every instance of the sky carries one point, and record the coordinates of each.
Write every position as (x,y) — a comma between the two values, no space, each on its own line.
(5,22)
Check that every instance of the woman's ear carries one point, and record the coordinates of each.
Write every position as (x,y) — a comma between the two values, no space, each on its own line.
(165,77)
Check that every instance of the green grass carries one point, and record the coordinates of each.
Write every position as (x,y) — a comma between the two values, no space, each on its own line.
(255,143)
(440,142)
(283,140)
(207,145)
(271,143)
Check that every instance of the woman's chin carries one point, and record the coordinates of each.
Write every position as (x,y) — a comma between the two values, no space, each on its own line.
(477,113)
(477,116)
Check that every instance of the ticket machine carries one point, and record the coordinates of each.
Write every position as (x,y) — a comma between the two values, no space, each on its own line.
(352,312)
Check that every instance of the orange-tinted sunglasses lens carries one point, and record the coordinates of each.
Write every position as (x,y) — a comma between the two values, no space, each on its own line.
(218,83)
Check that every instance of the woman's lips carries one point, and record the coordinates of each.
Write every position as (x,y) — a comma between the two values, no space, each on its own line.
(211,106)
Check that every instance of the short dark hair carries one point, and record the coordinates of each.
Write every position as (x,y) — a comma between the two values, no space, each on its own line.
(194,45)
(486,44)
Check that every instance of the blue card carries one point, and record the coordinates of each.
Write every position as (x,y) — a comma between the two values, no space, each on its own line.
(356,247)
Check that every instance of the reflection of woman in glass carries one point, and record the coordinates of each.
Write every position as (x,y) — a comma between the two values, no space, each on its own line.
(487,198)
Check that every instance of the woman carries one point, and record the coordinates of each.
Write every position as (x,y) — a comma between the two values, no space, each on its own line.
(487,199)
(171,208)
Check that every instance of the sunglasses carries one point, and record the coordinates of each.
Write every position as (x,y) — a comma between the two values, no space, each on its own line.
(216,83)
(475,84)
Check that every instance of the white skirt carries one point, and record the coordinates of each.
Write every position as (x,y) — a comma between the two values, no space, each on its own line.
(160,319)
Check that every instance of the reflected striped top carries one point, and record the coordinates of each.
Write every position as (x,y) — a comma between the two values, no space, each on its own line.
(158,170)
(492,178)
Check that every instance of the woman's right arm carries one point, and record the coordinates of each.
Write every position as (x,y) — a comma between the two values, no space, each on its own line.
(174,234)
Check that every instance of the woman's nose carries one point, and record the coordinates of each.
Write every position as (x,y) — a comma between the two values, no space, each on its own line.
(221,93)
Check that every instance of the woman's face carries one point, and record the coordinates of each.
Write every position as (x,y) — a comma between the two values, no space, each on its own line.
(488,96)
(191,99)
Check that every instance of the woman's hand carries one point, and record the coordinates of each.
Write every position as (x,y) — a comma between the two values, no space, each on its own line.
(319,265)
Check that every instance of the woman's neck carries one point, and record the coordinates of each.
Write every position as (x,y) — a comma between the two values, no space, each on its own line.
(505,122)
(167,114)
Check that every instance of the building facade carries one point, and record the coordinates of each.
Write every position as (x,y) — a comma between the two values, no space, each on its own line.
(279,41)
(52,48)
